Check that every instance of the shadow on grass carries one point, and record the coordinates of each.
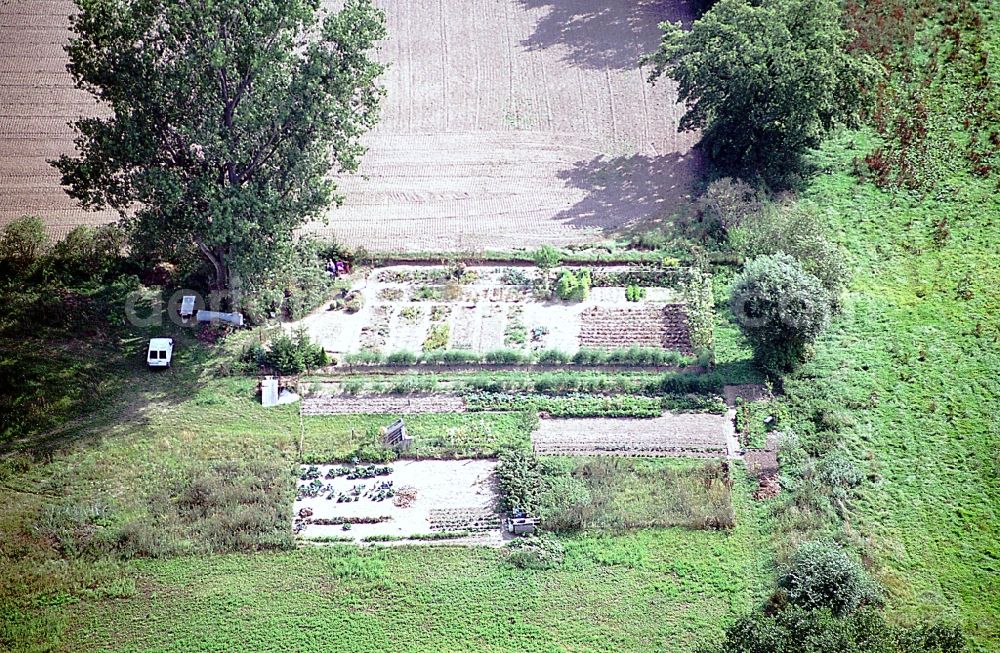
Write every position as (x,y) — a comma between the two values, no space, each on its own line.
(122,392)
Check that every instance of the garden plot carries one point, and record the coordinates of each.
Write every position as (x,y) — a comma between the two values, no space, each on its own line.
(685,434)
(650,325)
(484,308)
(382,404)
(415,498)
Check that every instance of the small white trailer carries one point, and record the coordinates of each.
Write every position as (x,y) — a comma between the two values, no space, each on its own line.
(160,353)
(187,308)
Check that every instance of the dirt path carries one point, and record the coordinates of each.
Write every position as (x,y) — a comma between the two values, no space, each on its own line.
(686,434)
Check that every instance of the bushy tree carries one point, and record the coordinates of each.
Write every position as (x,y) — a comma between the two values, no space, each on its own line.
(780,308)
(23,242)
(764,80)
(797,630)
(822,575)
(726,204)
(796,230)
(225,119)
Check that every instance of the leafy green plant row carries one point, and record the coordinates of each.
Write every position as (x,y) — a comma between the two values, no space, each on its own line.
(574,405)
(677,390)
(639,356)
(437,535)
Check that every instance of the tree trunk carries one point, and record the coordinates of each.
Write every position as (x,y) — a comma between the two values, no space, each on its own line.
(221,280)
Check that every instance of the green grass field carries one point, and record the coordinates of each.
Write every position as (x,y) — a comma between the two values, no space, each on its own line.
(655,590)
(915,363)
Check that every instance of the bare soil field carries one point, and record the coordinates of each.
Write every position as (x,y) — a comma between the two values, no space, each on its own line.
(512,123)
(37,100)
(507,123)
(430,496)
(687,434)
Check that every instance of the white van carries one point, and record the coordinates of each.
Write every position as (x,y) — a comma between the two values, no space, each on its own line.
(161,351)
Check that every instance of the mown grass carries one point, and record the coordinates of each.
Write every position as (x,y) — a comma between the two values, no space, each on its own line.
(655,590)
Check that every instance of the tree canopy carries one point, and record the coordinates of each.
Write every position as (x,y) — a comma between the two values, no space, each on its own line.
(225,120)
(780,308)
(763,80)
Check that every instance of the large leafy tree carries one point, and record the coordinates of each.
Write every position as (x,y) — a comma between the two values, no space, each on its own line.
(780,308)
(226,119)
(763,80)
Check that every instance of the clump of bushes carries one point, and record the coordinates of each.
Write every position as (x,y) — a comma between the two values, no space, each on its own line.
(538,552)
(299,285)
(573,286)
(288,354)
(822,575)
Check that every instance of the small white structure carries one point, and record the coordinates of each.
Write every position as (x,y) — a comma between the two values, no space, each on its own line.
(269,392)
(187,308)
(236,319)
(160,353)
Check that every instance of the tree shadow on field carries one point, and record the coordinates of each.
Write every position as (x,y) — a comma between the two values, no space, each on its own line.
(604,34)
(627,190)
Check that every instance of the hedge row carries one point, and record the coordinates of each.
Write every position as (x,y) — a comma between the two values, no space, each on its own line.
(572,405)
(645,356)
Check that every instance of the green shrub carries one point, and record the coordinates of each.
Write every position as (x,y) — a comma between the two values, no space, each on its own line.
(519,475)
(452,357)
(795,630)
(23,243)
(588,356)
(553,357)
(546,257)
(437,337)
(537,552)
(505,357)
(781,309)
(634,293)
(822,575)
(293,289)
(294,354)
(366,357)
(572,286)
(401,358)
(839,472)
(85,253)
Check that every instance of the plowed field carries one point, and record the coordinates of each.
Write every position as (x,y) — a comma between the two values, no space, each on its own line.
(506,123)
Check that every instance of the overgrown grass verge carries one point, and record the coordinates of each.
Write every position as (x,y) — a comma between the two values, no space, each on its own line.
(331,438)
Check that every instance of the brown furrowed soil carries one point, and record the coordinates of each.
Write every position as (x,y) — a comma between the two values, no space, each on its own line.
(37,100)
(507,123)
